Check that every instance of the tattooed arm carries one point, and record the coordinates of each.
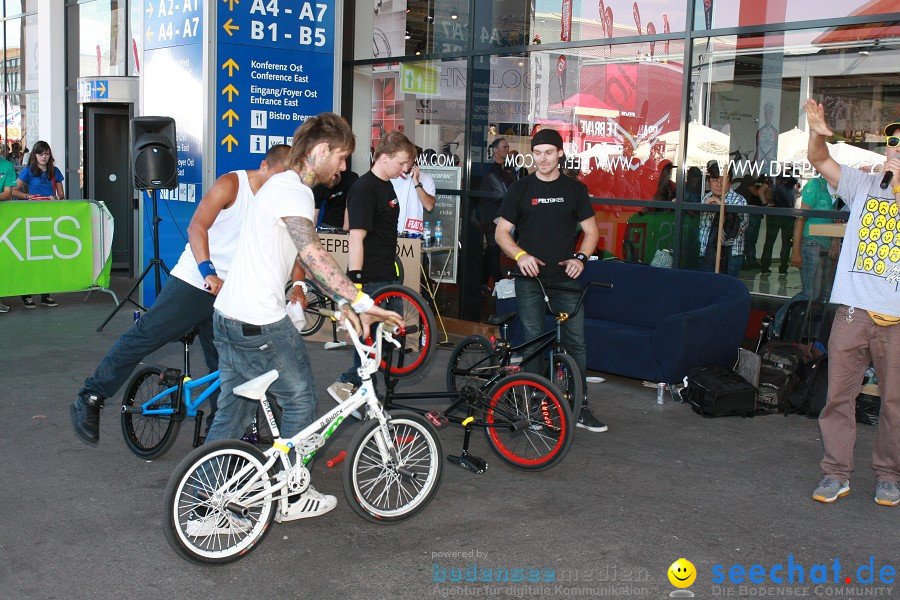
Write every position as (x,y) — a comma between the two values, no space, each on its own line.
(329,276)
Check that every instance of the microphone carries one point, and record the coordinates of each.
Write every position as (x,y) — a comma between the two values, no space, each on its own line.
(886,180)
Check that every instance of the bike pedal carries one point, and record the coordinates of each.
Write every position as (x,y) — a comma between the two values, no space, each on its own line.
(472,463)
(437,418)
(511,370)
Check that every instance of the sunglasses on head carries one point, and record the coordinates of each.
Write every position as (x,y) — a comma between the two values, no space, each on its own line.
(892,141)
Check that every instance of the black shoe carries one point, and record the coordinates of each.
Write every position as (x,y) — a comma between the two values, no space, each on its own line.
(48,301)
(587,420)
(28,301)
(85,413)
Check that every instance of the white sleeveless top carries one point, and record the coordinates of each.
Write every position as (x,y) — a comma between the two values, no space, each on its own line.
(223,237)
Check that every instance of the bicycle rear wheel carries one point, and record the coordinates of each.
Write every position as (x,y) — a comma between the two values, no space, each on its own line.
(529,425)
(315,300)
(385,492)
(209,522)
(472,362)
(148,436)
(417,345)
(564,372)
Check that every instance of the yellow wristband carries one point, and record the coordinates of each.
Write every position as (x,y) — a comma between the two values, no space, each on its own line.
(519,255)
(895,190)
(358,297)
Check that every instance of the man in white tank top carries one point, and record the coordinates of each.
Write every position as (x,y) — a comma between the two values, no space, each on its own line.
(186,299)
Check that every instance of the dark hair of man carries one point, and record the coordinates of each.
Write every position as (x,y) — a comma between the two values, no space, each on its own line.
(326,127)
(278,152)
(496,143)
(392,143)
(39,148)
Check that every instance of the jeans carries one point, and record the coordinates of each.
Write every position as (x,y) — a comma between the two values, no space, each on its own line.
(179,307)
(851,347)
(350,375)
(531,310)
(811,277)
(732,262)
(243,357)
(773,225)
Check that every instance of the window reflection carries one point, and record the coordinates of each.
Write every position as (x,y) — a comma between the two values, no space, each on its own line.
(101,34)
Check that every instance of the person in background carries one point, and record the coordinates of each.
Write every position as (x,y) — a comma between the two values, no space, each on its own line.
(373,212)
(7,182)
(186,299)
(755,196)
(783,196)
(693,189)
(546,208)
(415,193)
(43,181)
(17,154)
(331,199)
(865,325)
(496,182)
(812,254)
(732,255)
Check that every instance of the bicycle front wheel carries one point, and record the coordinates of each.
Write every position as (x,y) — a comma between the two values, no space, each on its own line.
(564,372)
(314,301)
(210,515)
(472,362)
(529,425)
(417,345)
(383,491)
(148,436)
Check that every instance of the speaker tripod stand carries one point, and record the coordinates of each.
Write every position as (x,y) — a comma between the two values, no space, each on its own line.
(155,265)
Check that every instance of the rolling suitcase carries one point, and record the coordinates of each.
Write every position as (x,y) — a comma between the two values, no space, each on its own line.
(717,391)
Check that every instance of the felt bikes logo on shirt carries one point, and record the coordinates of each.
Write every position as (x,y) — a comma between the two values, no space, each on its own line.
(393,203)
(536,201)
(879,242)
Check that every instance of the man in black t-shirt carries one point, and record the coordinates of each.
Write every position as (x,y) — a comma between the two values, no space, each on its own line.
(373,211)
(546,209)
(331,200)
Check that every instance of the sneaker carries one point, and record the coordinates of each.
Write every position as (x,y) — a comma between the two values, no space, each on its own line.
(3,308)
(85,413)
(887,494)
(29,302)
(308,504)
(830,490)
(587,420)
(782,276)
(341,392)
(48,301)
(217,523)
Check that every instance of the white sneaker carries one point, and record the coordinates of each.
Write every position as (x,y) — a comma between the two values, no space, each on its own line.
(3,308)
(341,392)
(310,504)
(218,523)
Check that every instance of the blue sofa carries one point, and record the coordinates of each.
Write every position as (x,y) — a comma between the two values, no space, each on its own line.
(656,324)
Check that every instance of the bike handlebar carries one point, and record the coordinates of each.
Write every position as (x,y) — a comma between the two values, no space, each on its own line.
(544,288)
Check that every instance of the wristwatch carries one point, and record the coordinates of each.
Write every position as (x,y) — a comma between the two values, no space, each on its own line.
(419,185)
(581,256)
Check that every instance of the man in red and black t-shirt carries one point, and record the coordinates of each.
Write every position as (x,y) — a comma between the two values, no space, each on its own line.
(373,211)
(546,209)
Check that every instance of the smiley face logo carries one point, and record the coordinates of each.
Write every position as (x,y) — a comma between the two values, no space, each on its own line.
(888,237)
(874,234)
(893,210)
(682,573)
(880,221)
(872,205)
(879,267)
(895,254)
(868,263)
(859,263)
(871,248)
(884,206)
(883,252)
(891,224)
(868,219)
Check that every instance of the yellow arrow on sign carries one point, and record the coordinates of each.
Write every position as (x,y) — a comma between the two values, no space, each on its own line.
(149,34)
(231,116)
(231,91)
(231,3)
(101,88)
(149,9)
(229,139)
(231,66)
(228,27)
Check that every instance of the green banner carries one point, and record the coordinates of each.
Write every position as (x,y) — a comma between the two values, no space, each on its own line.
(45,247)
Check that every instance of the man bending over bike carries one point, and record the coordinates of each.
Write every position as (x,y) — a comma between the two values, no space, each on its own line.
(253,334)
(546,209)
(186,299)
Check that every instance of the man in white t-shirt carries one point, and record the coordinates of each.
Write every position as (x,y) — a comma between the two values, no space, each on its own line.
(415,192)
(186,299)
(253,332)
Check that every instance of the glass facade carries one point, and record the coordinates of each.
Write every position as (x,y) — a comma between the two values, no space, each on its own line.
(18,44)
(632,87)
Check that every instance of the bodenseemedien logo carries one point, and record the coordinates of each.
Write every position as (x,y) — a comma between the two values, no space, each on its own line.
(682,575)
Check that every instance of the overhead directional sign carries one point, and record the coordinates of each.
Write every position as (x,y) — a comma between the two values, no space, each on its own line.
(93,89)
(275,68)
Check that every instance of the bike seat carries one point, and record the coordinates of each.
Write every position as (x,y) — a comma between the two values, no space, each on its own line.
(255,389)
(188,337)
(501,319)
